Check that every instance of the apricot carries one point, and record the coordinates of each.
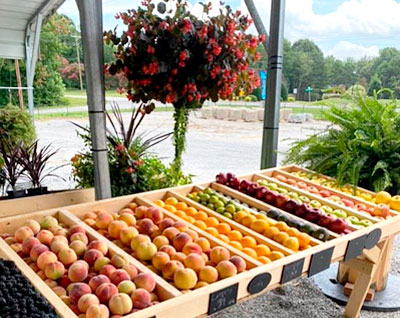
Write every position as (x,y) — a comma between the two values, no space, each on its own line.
(146,251)
(118,276)
(126,287)
(200,284)
(28,244)
(141,298)
(34,225)
(165,223)
(141,238)
(170,250)
(160,240)
(120,304)
(77,290)
(86,301)
(78,272)
(45,237)
(54,270)
(98,280)
(160,259)
(79,247)
(185,278)
(105,291)
(91,256)
(208,274)
(239,263)
(48,222)
(97,311)
(103,220)
(145,281)
(218,254)
(180,240)
(107,270)
(126,235)
(79,236)
(115,228)
(128,218)
(226,269)
(195,262)
(140,211)
(179,257)
(67,256)
(203,243)
(118,261)
(192,248)
(46,258)
(170,268)
(131,270)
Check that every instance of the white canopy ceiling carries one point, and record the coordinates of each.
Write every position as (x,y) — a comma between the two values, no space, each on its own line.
(17,20)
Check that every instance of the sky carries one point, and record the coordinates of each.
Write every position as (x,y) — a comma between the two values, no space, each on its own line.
(342,28)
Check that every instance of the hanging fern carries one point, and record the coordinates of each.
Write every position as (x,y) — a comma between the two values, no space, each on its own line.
(181,117)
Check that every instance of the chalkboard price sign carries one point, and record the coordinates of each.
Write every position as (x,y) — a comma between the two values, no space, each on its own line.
(222,299)
(259,283)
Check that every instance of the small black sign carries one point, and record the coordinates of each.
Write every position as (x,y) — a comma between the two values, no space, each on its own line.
(320,261)
(355,247)
(222,299)
(373,238)
(292,271)
(259,283)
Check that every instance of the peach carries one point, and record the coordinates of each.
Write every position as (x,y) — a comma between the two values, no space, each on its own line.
(200,284)
(91,256)
(127,235)
(90,222)
(78,272)
(58,245)
(159,260)
(46,258)
(192,234)
(74,308)
(195,262)
(79,236)
(17,247)
(192,248)
(65,299)
(48,222)
(77,291)
(118,261)
(105,291)
(107,270)
(140,211)
(118,276)
(34,267)
(100,262)
(141,298)
(28,244)
(170,268)
(62,232)
(10,240)
(160,240)
(131,270)
(179,257)
(181,226)
(64,281)
(103,220)
(126,287)
(128,210)
(120,304)
(79,247)
(181,240)
(239,263)
(41,274)
(97,311)
(170,250)
(90,215)
(155,214)
(115,228)
(23,233)
(145,281)
(208,274)
(59,238)
(128,218)
(54,229)
(37,250)
(166,223)
(34,225)
(156,232)
(185,278)
(98,280)
(98,245)
(203,243)
(141,238)
(170,233)
(54,270)
(45,237)
(76,228)
(154,297)
(146,226)
(51,283)
(59,291)
(218,254)
(86,300)
(146,251)
(226,269)
(67,256)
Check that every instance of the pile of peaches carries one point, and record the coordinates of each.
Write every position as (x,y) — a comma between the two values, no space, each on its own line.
(84,273)
(167,247)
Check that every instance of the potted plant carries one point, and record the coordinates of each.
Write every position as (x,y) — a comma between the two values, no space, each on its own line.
(34,161)
(12,169)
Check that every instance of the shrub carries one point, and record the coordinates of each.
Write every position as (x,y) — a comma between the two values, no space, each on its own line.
(257,92)
(362,148)
(291,99)
(355,91)
(284,92)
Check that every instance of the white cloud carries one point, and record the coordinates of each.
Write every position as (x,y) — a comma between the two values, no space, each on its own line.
(344,49)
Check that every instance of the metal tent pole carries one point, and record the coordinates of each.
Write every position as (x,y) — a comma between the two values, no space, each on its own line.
(90,12)
(272,104)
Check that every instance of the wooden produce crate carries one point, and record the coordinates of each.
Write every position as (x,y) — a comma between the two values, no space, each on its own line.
(9,207)
(219,295)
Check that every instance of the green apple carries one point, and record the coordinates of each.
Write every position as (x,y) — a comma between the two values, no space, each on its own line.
(327,209)
(228,215)
(219,204)
(304,199)
(230,208)
(282,190)
(220,210)
(272,186)
(293,195)
(315,204)
(340,214)
(353,219)
(365,223)
(214,199)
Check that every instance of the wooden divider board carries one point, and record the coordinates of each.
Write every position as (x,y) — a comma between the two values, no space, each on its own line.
(197,302)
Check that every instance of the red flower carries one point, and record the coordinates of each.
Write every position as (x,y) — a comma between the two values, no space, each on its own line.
(238,54)
(163,25)
(120,147)
(138,163)
(151,50)
(174,71)
(262,37)
(183,56)
(216,50)
(182,64)
(257,57)
(130,170)
(187,26)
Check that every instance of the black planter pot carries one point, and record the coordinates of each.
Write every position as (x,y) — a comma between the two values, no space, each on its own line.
(16,194)
(37,191)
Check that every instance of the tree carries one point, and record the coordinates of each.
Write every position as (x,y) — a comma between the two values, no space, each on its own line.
(374,85)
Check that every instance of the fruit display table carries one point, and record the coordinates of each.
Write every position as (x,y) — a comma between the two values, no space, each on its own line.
(196,249)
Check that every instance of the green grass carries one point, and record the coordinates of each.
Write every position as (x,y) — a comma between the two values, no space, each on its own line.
(316,112)
(77,92)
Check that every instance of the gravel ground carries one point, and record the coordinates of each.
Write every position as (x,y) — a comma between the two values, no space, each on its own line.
(213,146)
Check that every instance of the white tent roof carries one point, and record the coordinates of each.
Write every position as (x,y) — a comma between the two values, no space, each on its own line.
(16,18)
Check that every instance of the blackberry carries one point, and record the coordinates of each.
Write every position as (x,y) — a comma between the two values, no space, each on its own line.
(18,298)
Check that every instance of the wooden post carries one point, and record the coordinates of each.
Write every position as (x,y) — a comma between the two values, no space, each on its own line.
(19,83)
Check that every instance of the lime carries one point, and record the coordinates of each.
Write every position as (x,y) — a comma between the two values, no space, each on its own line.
(190,196)
(205,197)
(230,208)
(208,191)
(210,206)
(197,199)
(214,199)
(219,204)
(220,210)
(228,215)
(223,200)
(204,203)
(238,208)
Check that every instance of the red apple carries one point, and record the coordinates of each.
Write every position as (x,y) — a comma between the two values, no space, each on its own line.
(260,194)
(325,220)
(338,226)
(221,178)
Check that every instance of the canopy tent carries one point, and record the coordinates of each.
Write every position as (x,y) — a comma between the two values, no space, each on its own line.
(20,26)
